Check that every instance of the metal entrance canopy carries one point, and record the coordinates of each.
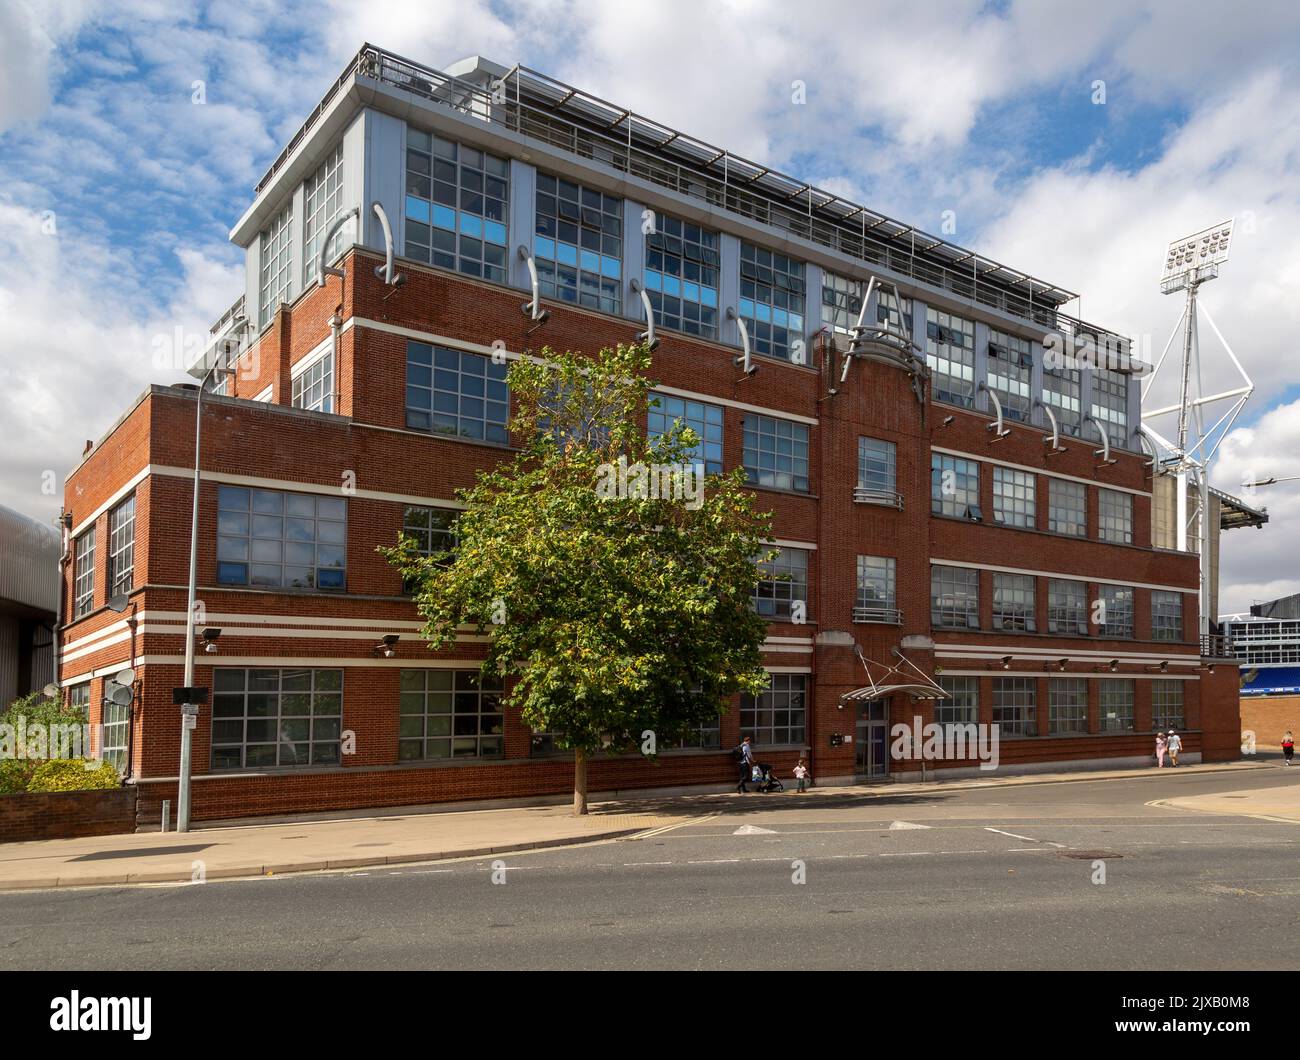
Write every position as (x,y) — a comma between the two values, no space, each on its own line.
(925,688)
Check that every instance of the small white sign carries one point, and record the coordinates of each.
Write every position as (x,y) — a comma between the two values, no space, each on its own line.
(191,722)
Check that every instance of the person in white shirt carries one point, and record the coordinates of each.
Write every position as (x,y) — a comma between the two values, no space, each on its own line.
(1175,746)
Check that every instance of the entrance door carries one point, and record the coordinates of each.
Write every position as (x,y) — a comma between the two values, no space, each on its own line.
(872,739)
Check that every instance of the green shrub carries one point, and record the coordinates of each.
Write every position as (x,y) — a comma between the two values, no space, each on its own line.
(38,709)
(15,773)
(71,774)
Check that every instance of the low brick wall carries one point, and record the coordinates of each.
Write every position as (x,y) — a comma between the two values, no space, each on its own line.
(1268,717)
(66,814)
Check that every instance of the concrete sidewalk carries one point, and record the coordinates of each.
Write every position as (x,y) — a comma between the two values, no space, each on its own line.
(268,849)
(1273,804)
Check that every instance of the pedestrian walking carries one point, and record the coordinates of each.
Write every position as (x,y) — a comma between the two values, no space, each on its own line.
(1162,745)
(801,774)
(745,756)
(1175,747)
(1288,748)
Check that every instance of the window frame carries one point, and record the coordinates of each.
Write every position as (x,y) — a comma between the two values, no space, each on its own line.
(462,686)
(690,247)
(121,547)
(229,537)
(83,573)
(1011,611)
(773,302)
(1059,514)
(1015,498)
(488,410)
(783,689)
(762,436)
(967,617)
(589,217)
(319,688)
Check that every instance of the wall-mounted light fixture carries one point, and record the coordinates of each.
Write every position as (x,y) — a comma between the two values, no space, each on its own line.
(210,637)
(387,646)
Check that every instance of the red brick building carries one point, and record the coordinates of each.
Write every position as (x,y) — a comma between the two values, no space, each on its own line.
(972,506)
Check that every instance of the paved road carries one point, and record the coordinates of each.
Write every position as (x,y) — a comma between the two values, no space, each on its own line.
(1001,877)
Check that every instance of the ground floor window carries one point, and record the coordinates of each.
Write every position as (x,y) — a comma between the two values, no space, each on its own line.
(117,731)
(1166,705)
(1116,700)
(961,707)
(1015,704)
(450,714)
(779,715)
(1067,705)
(264,718)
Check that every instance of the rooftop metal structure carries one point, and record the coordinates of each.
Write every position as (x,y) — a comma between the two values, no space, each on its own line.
(539,107)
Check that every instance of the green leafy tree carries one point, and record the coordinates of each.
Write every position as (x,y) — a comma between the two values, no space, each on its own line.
(616,594)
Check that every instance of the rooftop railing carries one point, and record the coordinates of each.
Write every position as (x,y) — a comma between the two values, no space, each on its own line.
(537,107)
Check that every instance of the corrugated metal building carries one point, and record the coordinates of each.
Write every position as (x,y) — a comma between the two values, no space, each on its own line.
(29,592)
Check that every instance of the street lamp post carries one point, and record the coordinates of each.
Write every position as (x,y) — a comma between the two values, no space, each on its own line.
(183,789)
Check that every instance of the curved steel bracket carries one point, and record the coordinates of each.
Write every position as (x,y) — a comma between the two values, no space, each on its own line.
(533,309)
(387,271)
(1150,448)
(648,336)
(1104,451)
(745,361)
(322,269)
(1054,441)
(999,431)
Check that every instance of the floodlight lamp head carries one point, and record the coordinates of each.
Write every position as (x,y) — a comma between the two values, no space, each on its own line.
(1195,258)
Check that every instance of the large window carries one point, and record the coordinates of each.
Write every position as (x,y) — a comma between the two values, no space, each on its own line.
(1115,516)
(1014,497)
(433,530)
(1061,390)
(704,419)
(1015,705)
(265,718)
(116,734)
(681,276)
(877,469)
(280,540)
(1067,507)
(1013,602)
(322,203)
(1166,705)
(841,302)
(1010,368)
(83,578)
(579,244)
(121,548)
(782,582)
(454,392)
(896,318)
(876,600)
(961,706)
(276,264)
(1067,607)
(456,206)
(1115,697)
(1117,611)
(950,353)
(449,714)
(1167,616)
(954,486)
(1067,705)
(955,597)
(776,453)
(1110,404)
(313,387)
(777,716)
(771,300)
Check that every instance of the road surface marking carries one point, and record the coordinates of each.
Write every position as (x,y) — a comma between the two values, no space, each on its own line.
(1026,838)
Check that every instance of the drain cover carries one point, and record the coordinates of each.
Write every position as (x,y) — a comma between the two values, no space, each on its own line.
(1090,855)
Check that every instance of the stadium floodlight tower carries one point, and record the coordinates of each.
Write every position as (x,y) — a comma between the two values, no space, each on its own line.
(1190,262)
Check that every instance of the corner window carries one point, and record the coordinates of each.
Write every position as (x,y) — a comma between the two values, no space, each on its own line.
(276,265)
(455,206)
(322,204)
(771,300)
(457,393)
(578,248)
(280,540)
(681,276)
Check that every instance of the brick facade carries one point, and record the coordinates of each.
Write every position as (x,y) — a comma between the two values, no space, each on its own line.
(365,453)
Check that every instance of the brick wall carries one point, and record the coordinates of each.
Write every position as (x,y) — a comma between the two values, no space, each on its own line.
(1268,717)
(66,814)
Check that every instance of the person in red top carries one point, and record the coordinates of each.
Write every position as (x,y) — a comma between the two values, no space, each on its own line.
(1288,748)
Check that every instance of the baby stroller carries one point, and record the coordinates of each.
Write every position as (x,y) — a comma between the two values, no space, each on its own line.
(766,780)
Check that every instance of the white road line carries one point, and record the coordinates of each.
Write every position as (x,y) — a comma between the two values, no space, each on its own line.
(1026,838)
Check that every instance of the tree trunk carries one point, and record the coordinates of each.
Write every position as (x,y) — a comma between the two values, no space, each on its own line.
(579,782)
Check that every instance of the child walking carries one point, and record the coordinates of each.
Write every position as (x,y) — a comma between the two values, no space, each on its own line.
(1288,748)
(801,772)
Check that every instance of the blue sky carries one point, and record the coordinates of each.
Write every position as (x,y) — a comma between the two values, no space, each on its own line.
(118,189)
